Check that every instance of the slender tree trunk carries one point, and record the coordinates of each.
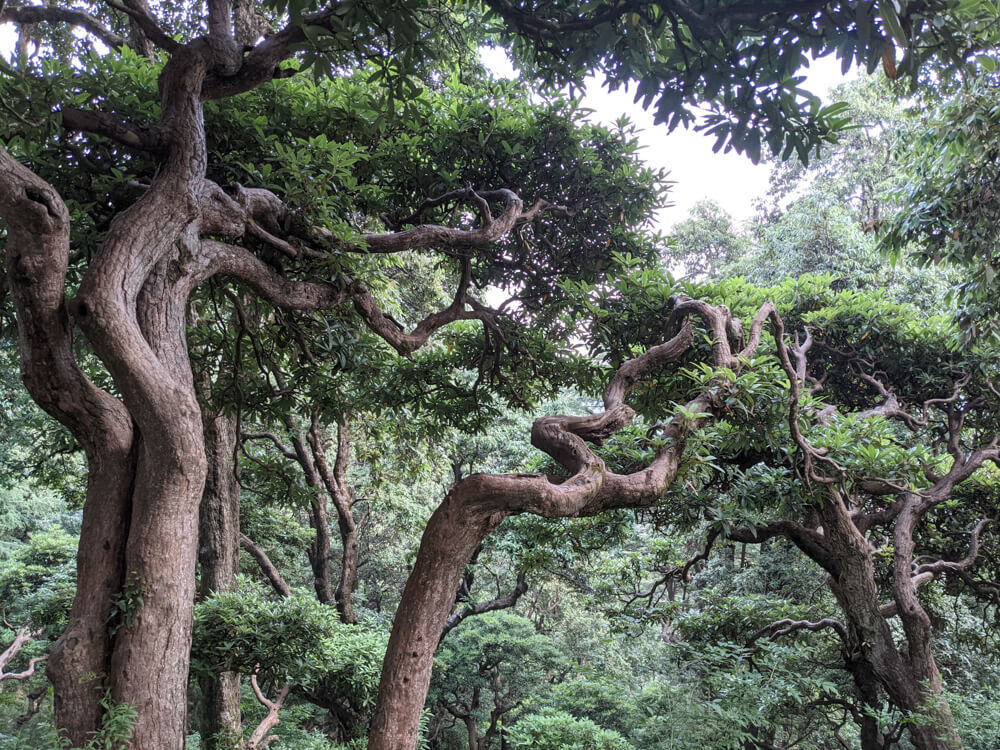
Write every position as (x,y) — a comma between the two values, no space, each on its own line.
(219,554)
(335,482)
(319,518)
(910,678)
(472,731)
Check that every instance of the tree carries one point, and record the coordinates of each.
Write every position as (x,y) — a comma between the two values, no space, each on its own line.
(485,672)
(705,242)
(142,258)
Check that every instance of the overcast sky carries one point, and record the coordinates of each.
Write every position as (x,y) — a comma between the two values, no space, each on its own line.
(698,173)
(731,180)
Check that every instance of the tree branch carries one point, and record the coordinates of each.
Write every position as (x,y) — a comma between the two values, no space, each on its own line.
(260,739)
(23,636)
(114,127)
(282,448)
(784,627)
(25,14)
(501,602)
(266,566)
(143,17)
(282,292)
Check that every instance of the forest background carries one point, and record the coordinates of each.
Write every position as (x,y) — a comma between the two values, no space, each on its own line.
(290,494)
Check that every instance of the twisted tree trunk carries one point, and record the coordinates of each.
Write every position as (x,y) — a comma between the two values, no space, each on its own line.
(478,504)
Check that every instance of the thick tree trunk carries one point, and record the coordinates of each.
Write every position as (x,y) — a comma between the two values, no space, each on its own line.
(131,306)
(218,555)
(452,535)
(36,257)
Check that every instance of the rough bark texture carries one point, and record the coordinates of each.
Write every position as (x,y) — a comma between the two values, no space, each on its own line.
(219,555)
(835,535)
(36,257)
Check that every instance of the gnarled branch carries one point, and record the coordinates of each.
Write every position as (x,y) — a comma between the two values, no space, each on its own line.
(260,737)
(784,627)
(22,637)
(501,602)
(25,14)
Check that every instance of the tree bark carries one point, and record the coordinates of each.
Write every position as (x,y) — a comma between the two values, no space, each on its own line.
(910,678)
(36,258)
(218,555)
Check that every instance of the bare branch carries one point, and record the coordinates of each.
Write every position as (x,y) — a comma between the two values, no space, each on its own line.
(940,566)
(681,571)
(282,448)
(113,127)
(407,343)
(139,12)
(893,409)
(784,627)
(23,636)
(809,453)
(260,739)
(283,292)
(266,566)
(501,602)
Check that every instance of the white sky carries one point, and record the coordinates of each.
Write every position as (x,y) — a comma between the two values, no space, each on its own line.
(731,180)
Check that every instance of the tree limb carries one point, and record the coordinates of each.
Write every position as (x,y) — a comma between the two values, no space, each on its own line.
(266,566)
(23,636)
(25,14)
(282,448)
(501,602)
(260,739)
(784,627)
(143,17)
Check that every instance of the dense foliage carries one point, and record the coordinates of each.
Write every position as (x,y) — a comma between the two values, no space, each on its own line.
(819,567)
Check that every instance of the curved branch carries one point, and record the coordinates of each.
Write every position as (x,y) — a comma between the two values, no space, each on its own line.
(282,448)
(479,503)
(784,627)
(282,292)
(260,739)
(681,571)
(806,539)
(407,343)
(143,17)
(432,235)
(23,636)
(263,62)
(940,566)
(809,453)
(50,14)
(114,127)
(501,602)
